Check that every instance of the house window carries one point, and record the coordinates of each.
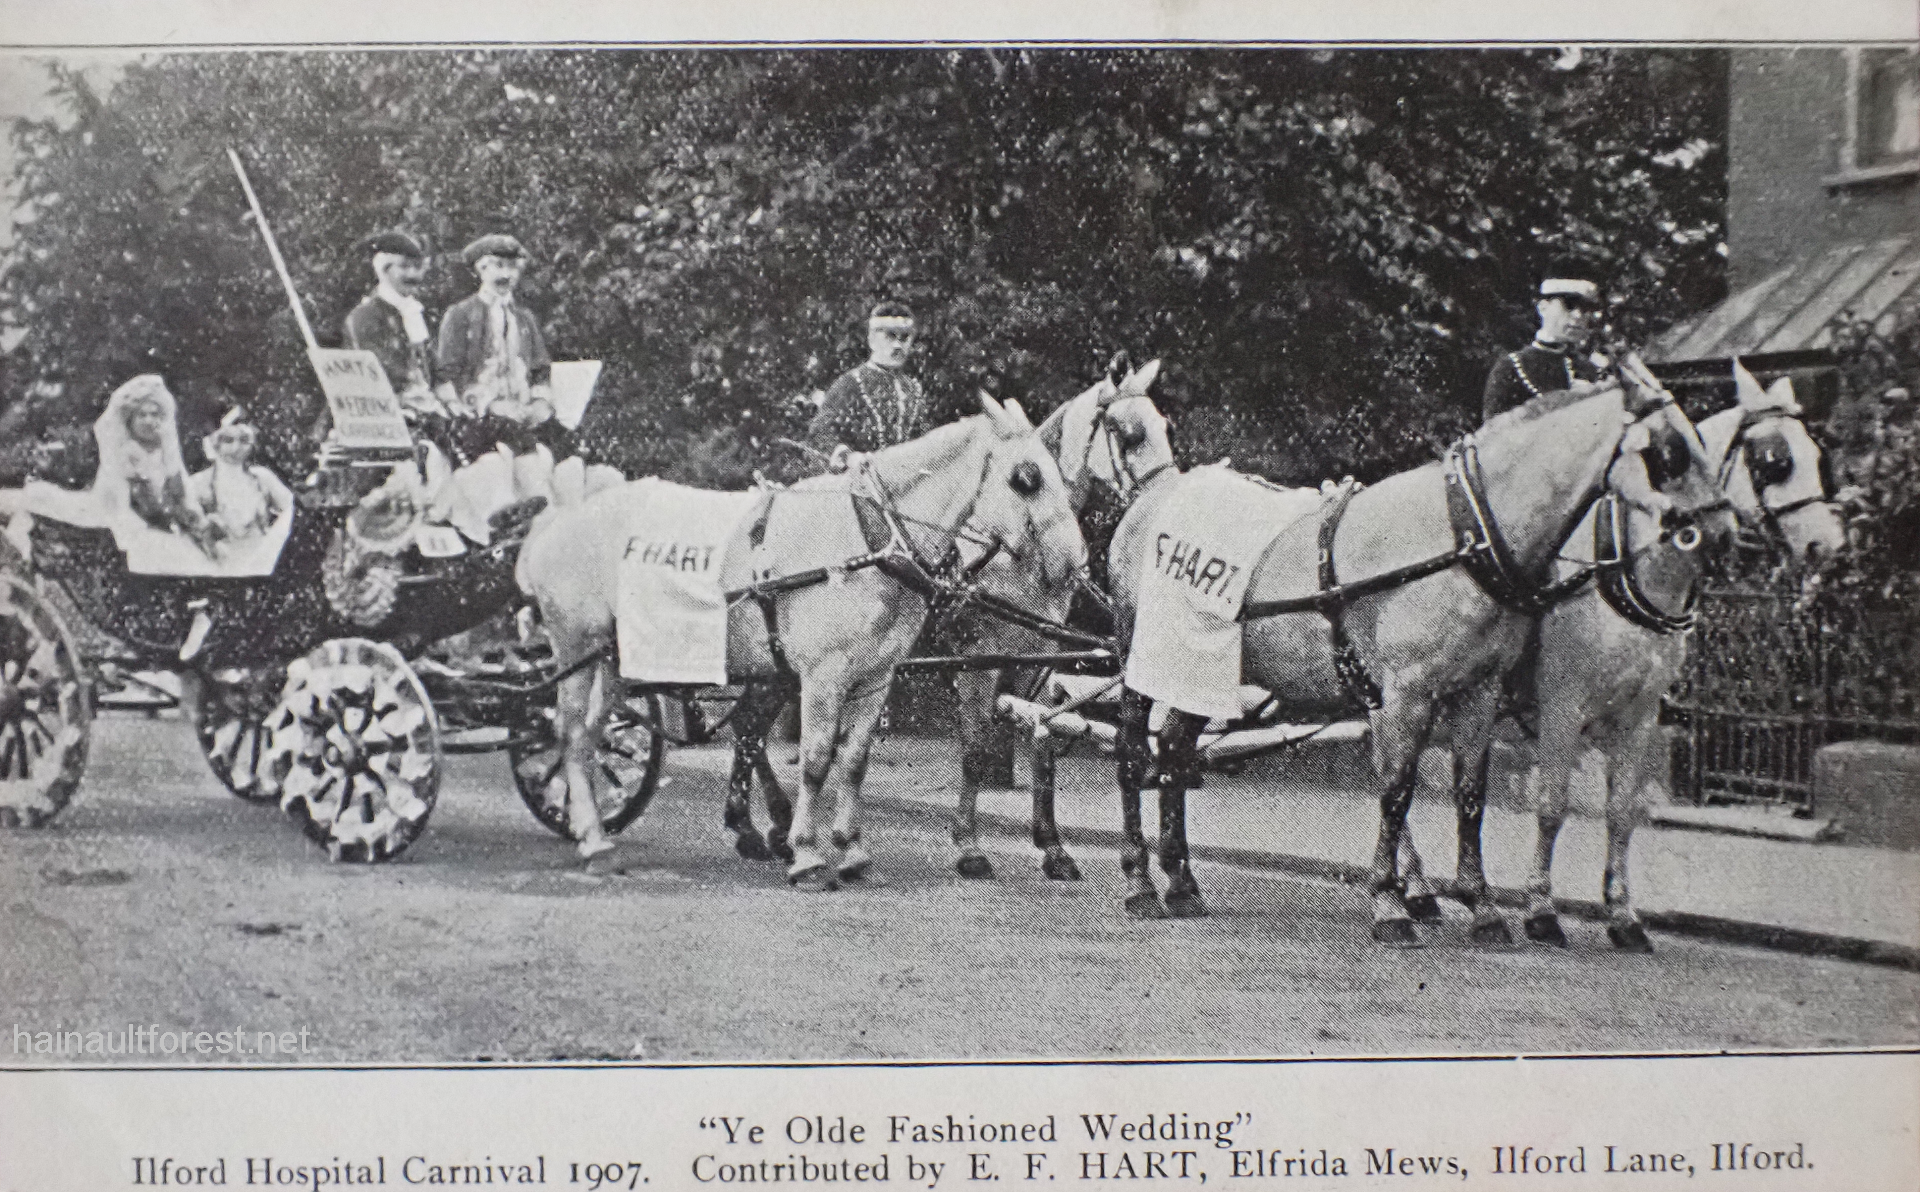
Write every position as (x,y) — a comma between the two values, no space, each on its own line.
(1882,135)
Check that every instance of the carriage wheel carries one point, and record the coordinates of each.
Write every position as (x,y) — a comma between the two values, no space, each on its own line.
(46,709)
(230,718)
(629,758)
(353,750)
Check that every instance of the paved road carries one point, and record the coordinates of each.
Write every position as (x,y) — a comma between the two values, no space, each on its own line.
(160,899)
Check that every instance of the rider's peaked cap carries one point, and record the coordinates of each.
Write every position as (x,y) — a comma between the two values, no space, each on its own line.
(891,314)
(1571,277)
(494,244)
(398,243)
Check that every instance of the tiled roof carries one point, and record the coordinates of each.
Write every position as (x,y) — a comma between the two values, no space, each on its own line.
(1789,311)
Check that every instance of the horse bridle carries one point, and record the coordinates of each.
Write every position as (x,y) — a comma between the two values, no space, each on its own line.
(1740,448)
(1130,482)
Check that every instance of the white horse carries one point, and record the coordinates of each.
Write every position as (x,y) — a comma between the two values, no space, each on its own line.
(1606,657)
(842,638)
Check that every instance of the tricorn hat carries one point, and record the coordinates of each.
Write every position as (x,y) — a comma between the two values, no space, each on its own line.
(396,242)
(494,244)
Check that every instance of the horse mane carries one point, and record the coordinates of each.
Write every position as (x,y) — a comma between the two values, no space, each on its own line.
(1546,403)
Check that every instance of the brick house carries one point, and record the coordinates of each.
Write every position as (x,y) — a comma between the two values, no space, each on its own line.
(1823,208)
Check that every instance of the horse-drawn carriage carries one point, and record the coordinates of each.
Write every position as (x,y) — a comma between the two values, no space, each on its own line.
(324,684)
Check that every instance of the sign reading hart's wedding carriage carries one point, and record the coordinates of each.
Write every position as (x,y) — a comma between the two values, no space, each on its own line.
(366,414)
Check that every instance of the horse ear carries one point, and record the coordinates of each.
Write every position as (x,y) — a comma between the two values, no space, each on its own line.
(1140,380)
(1016,414)
(997,415)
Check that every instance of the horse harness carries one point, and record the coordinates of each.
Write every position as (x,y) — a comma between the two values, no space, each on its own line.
(944,584)
(1482,551)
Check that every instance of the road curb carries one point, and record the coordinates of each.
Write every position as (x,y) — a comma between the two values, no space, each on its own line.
(1684,923)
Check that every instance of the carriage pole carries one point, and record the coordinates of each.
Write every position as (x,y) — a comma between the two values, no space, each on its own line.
(273,249)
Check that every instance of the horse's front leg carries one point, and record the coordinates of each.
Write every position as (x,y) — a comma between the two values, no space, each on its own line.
(1135,757)
(976,692)
(1179,773)
(1559,747)
(1399,734)
(858,721)
(1423,902)
(821,703)
(755,712)
(1625,771)
(779,805)
(1472,738)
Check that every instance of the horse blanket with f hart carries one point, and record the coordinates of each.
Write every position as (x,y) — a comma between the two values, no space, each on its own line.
(671,615)
(1201,552)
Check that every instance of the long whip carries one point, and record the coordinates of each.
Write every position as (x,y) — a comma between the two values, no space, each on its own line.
(273,248)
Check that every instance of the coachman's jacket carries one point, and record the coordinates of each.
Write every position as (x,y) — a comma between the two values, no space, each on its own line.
(376,326)
(463,345)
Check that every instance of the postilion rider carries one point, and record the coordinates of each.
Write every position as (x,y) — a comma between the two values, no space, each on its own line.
(1569,302)
(876,404)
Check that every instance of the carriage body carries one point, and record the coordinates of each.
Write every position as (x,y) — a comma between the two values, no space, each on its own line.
(283,662)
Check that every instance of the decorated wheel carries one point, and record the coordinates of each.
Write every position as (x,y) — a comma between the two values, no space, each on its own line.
(353,750)
(628,761)
(46,709)
(230,718)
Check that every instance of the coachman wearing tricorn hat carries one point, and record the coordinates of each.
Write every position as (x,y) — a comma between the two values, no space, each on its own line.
(1569,303)
(391,324)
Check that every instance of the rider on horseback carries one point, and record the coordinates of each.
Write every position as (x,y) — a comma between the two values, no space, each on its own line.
(1570,304)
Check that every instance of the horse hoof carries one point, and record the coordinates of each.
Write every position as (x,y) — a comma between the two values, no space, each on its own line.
(1491,933)
(855,863)
(1396,933)
(1187,906)
(1629,937)
(781,850)
(604,862)
(1060,867)
(816,879)
(1545,929)
(1145,906)
(751,847)
(974,865)
(1425,908)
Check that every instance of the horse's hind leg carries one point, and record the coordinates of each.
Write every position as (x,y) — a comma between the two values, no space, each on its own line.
(1135,758)
(1179,772)
(582,704)
(1400,733)
(976,692)
(1623,812)
(758,707)
(1472,735)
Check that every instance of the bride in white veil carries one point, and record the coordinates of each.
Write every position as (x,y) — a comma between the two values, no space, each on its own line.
(140,487)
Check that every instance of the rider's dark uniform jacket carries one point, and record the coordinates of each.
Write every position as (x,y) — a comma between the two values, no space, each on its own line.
(1538,368)
(869,408)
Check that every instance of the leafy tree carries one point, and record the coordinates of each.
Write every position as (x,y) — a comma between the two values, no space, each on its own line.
(1329,247)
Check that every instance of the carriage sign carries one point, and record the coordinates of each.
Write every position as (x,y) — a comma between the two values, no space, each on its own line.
(365,411)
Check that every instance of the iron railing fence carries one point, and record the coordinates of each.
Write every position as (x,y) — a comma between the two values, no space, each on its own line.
(1778,669)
